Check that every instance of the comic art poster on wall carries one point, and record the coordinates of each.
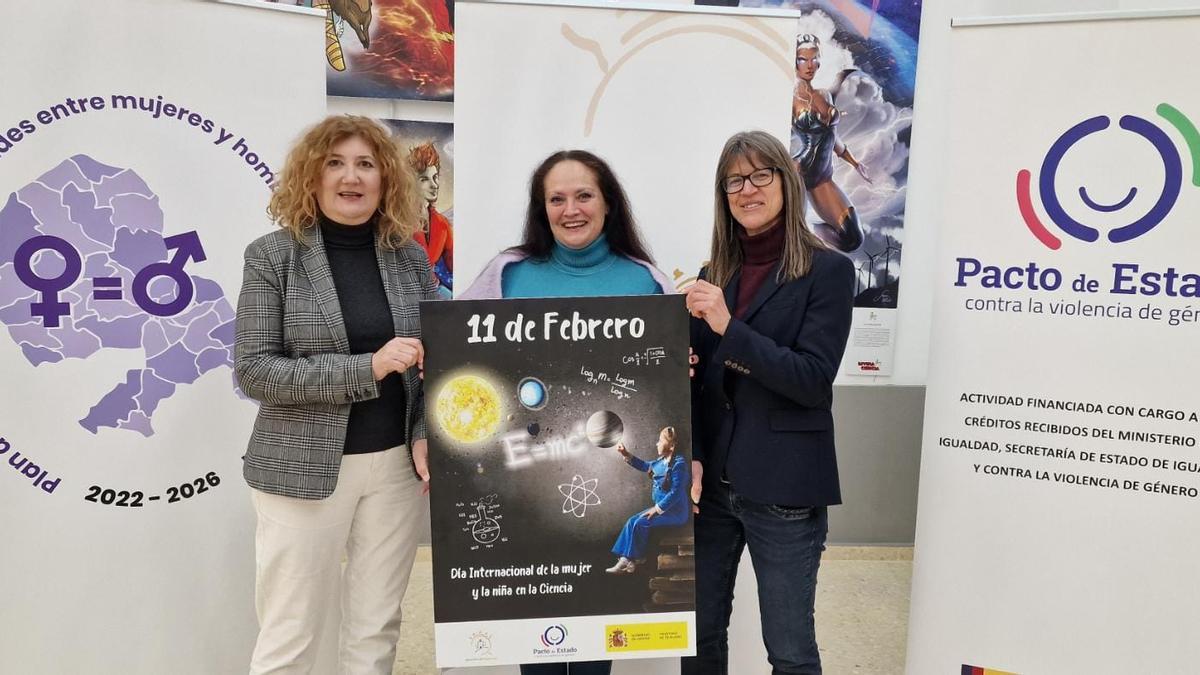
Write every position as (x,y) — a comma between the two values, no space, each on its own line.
(429,147)
(389,48)
(560,446)
(851,120)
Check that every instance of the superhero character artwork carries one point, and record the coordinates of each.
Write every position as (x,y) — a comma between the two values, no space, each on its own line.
(815,142)
(851,128)
(389,48)
(429,148)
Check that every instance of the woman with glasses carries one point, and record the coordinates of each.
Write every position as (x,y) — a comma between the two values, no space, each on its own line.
(771,314)
(814,143)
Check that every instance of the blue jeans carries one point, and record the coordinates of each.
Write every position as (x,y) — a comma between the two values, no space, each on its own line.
(785,547)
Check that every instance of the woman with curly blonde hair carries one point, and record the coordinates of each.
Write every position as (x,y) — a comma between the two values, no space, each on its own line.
(327,340)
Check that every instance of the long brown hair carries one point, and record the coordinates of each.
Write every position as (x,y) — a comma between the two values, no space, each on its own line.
(293,204)
(763,151)
(620,229)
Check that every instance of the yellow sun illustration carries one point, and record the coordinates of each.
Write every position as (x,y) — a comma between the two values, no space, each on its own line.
(468,408)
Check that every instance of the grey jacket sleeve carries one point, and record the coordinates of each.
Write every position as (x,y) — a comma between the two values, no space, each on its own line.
(265,371)
(418,429)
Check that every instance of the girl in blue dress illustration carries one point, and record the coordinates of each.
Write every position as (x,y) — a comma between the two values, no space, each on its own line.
(668,474)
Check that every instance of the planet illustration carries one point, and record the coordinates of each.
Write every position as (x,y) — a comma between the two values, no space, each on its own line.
(532,393)
(604,429)
(468,408)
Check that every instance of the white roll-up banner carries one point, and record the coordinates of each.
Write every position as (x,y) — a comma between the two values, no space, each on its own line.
(1060,479)
(138,139)
(655,93)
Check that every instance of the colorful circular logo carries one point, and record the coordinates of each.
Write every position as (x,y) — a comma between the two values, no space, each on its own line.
(554,635)
(1136,227)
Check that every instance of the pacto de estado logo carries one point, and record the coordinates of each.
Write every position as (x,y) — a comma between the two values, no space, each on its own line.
(1138,226)
(554,635)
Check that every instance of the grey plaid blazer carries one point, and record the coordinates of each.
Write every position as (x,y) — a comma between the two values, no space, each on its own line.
(293,356)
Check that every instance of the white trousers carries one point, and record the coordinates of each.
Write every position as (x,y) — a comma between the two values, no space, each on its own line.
(374,517)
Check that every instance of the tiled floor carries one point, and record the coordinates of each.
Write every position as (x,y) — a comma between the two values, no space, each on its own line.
(862,618)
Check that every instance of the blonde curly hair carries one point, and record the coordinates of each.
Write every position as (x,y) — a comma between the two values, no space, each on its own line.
(293,204)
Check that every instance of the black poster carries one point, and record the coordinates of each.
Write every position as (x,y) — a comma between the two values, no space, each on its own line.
(560,453)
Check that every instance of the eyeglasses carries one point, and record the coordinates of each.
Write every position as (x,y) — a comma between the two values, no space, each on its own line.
(758,178)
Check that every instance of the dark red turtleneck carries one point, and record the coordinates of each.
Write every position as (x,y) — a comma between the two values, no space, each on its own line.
(759,255)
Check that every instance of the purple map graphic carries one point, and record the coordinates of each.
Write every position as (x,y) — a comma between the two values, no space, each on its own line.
(113,220)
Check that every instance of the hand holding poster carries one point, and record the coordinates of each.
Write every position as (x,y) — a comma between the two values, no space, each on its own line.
(560,447)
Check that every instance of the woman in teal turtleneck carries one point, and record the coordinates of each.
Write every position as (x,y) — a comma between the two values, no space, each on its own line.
(580,239)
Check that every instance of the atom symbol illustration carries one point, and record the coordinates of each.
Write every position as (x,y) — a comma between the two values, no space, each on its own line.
(579,494)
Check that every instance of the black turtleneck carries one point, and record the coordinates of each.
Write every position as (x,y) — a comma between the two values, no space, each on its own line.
(377,424)
(759,255)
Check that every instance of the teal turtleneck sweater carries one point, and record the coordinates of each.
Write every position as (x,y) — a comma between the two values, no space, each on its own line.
(590,271)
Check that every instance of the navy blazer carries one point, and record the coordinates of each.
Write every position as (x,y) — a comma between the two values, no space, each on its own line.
(762,393)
